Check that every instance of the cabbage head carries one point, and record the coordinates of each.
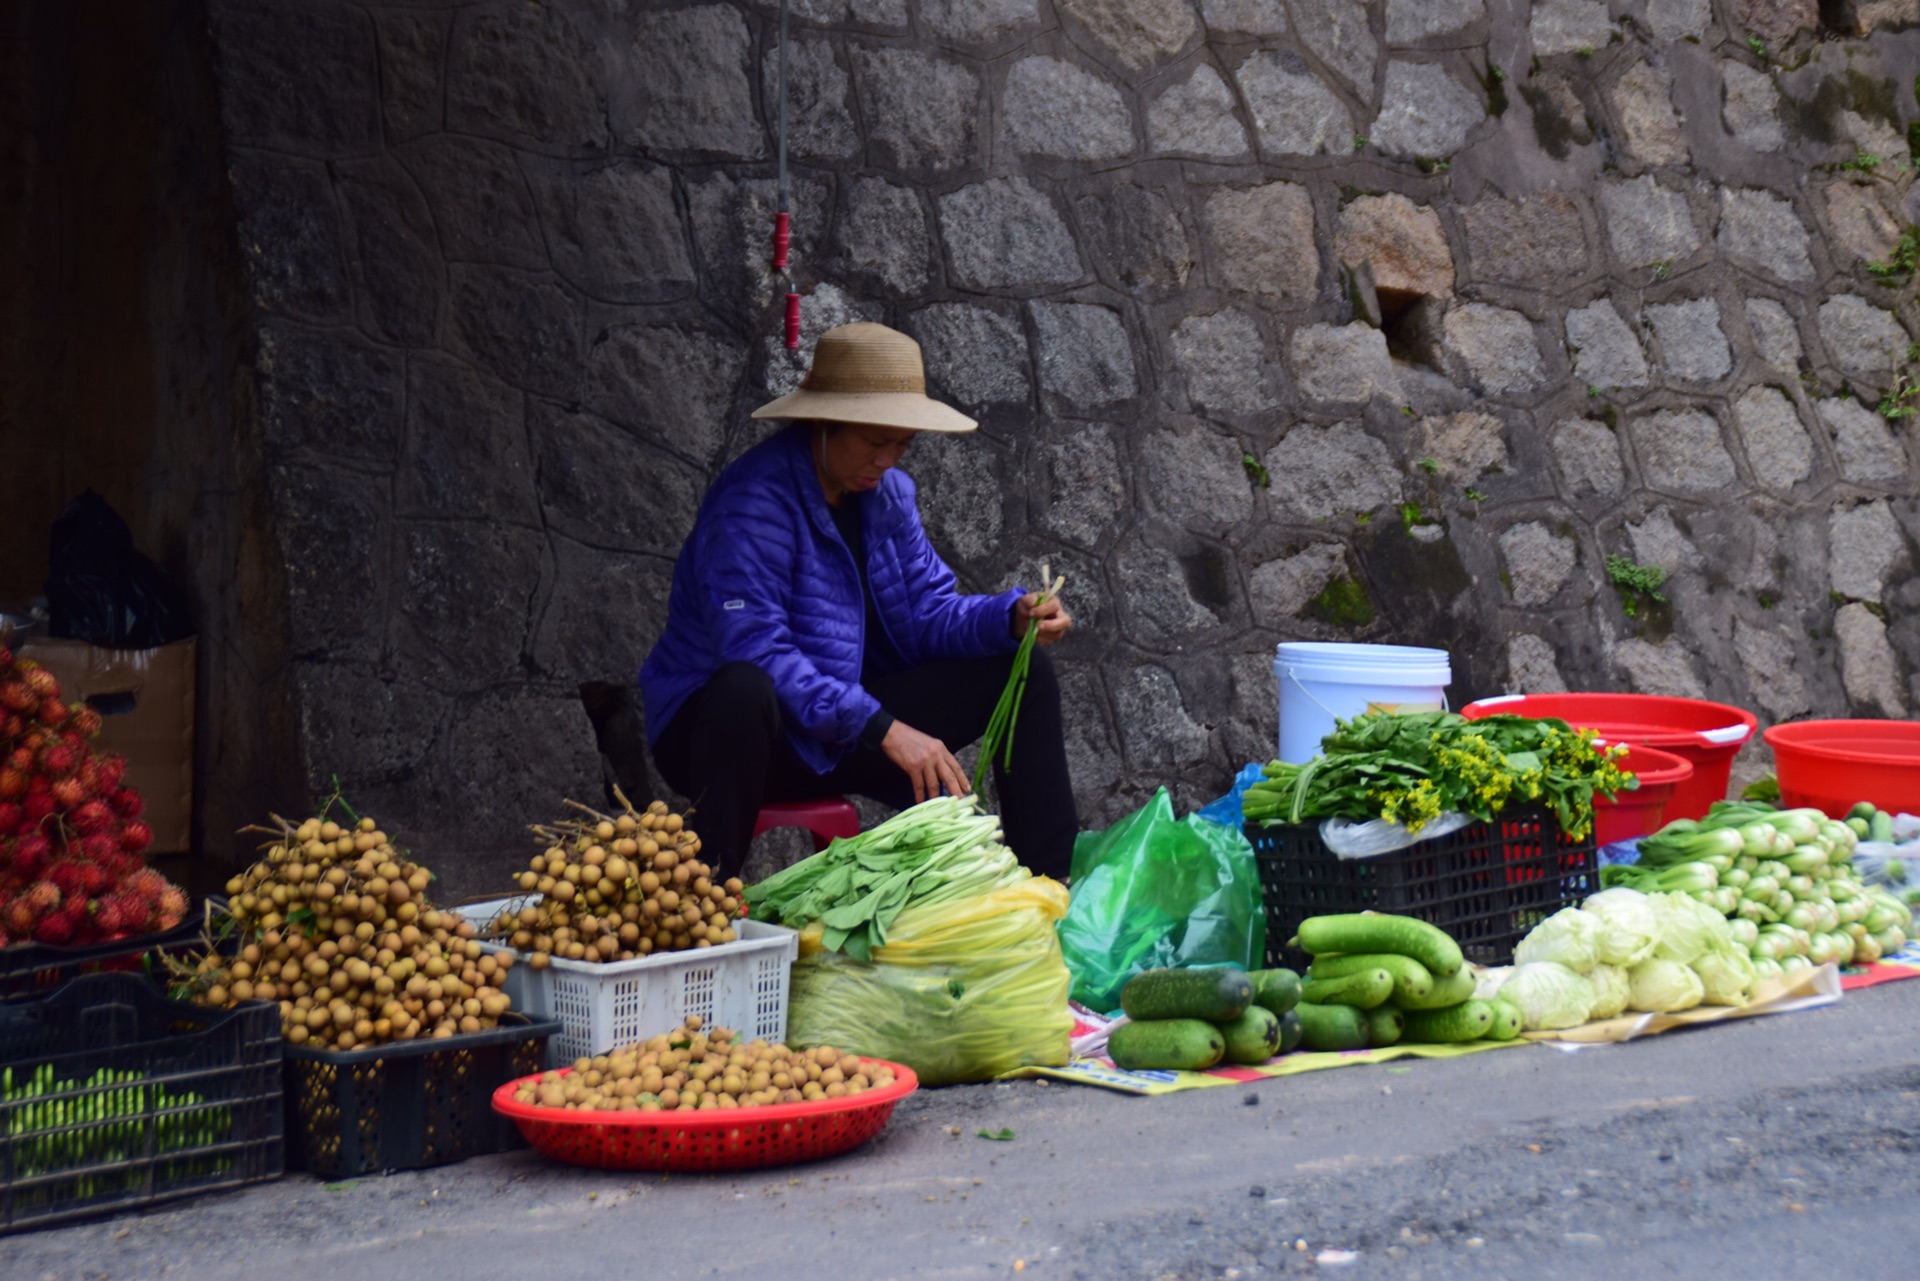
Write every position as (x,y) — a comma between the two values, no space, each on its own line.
(1727,974)
(1663,987)
(1629,926)
(1688,928)
(1486,983)
(1548,995)
(1569,937)
(1611,991)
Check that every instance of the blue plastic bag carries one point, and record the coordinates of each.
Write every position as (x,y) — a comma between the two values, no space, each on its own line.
(1619,852)
(1227,808)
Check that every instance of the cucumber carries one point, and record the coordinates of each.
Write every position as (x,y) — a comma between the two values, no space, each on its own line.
(1880,827)
(1290,1030)
(1863,809)
(1378,932)
(1467,1021)
(1506,1020)
(1186,1045)
(1331,1027)
(1859,827)
(1446,993)
(1384,1025)
(1254,1037)
(1412,981)
(1216,995)
(1276,990)
(1362,989)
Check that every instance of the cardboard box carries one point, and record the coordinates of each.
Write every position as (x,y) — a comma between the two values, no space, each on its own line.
(145,701)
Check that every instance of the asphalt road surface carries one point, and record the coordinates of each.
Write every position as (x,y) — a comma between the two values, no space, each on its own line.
(1771,1147)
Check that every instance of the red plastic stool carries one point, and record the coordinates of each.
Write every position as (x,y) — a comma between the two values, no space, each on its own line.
(826,819)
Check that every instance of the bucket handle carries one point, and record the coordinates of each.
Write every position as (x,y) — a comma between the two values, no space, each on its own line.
(1335,716)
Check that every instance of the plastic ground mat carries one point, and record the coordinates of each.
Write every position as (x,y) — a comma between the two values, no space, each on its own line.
(1806,990)
(1801,991)
(1904,964)
(1089,1066)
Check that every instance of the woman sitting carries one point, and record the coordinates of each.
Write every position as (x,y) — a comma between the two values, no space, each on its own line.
(815,642)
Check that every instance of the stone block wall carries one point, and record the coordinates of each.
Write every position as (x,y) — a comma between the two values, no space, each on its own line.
(1394,320)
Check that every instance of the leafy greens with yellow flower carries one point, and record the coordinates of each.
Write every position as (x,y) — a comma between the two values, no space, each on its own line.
(1411,768)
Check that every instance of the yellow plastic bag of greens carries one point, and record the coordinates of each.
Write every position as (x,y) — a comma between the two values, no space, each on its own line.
(960,991)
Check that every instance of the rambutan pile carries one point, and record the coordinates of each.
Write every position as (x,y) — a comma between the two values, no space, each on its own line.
(71,838)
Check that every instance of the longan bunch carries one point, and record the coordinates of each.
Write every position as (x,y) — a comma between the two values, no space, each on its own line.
(335,925)
(613,888)
(690,1070)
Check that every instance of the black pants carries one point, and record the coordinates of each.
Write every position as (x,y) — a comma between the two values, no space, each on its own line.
(726,749)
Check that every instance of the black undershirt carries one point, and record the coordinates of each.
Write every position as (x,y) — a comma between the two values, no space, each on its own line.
(846,518)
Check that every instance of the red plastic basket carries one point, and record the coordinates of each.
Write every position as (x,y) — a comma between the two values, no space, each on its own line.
(1643,810)
(1832,764)
(733,1139)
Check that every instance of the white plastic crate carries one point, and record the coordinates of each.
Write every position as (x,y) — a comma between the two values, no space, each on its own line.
(600,1004)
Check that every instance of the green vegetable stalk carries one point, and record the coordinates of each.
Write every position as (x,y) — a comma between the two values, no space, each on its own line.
(998,738)
(1412,768)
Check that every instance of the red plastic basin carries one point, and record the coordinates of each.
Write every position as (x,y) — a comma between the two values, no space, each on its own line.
(707,1139)
(1644,810)
(1707,734)
(1832,765)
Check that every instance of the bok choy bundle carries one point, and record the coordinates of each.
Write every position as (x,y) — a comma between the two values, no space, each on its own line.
(935,852)
(1784,878)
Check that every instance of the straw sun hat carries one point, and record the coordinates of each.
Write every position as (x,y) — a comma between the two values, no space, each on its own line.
(867,373)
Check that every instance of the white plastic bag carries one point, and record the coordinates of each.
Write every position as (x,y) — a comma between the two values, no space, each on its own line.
(1376,836)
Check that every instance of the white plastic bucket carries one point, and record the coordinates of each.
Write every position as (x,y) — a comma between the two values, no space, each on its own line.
(1324,680)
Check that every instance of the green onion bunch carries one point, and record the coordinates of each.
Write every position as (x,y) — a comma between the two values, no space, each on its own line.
(998,740)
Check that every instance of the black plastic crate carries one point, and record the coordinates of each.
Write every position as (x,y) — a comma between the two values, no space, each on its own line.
(1486,884)
(112,1097)
(407,1104)
(30,971)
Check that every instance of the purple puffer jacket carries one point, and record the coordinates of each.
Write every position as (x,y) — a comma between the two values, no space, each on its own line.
(765,578)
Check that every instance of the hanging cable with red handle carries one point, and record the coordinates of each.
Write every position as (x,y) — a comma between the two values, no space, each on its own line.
(782,222)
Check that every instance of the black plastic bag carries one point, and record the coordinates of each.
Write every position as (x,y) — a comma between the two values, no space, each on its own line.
(103,591)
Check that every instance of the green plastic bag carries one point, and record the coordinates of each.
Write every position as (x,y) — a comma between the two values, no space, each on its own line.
(1153,891)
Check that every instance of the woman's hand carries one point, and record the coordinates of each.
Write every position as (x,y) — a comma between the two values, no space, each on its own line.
(1054,620)
(925,760)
